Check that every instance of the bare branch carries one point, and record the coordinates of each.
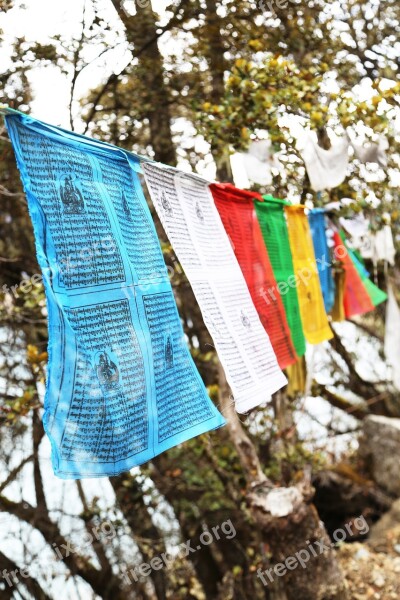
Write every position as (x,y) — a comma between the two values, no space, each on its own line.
(13,474)
(29,583)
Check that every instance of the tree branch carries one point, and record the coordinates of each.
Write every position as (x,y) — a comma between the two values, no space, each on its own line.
(127,20)
(37,435)
(97,545)
(339,402)
(367,329)
(103,584)
(30,583)
(13,474)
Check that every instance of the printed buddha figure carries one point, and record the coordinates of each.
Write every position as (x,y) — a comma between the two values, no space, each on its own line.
(71,196)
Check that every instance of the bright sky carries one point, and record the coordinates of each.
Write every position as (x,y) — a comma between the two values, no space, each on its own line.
(39,21)
(51,87)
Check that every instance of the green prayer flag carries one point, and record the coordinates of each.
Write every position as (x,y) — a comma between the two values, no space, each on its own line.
(275,233)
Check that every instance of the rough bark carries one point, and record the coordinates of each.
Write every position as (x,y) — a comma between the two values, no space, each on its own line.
(287,535)
(288,520)
(217,65)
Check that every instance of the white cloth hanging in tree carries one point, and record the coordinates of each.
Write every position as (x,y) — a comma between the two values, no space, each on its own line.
(361,237)
(258,162)
(392,336)
(326,168)
(374,152)
(383,246)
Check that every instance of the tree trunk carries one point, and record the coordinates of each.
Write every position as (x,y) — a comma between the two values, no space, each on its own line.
(299,538)
(217,66)
(289,523)
(129,495)
(141,31)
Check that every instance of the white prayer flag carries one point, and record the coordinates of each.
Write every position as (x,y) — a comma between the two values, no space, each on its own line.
(186,209)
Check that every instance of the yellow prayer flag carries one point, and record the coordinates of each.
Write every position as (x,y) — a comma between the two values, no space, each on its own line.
(313,316)
(338,314)
(297,375)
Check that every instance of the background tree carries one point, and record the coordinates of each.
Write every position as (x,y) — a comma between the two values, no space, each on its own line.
(208,76)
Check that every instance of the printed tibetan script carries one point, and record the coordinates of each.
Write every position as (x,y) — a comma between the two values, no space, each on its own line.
(186,209)
(121,384)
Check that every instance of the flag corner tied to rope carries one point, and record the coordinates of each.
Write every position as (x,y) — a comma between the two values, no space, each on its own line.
(271,217)
(188,214)
(237,212)
(121,384)
(313,316)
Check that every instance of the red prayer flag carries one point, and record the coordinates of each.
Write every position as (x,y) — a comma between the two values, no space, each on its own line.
(239,218)
(356,299)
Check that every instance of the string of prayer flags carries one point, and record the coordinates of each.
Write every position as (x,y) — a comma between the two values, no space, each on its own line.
(313,316)
(188,214)
(276,237)
(356,300)
(316,219)
(236,209)
(121,384)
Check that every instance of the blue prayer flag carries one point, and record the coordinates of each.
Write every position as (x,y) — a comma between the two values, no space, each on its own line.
(316,218)
(121,384)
